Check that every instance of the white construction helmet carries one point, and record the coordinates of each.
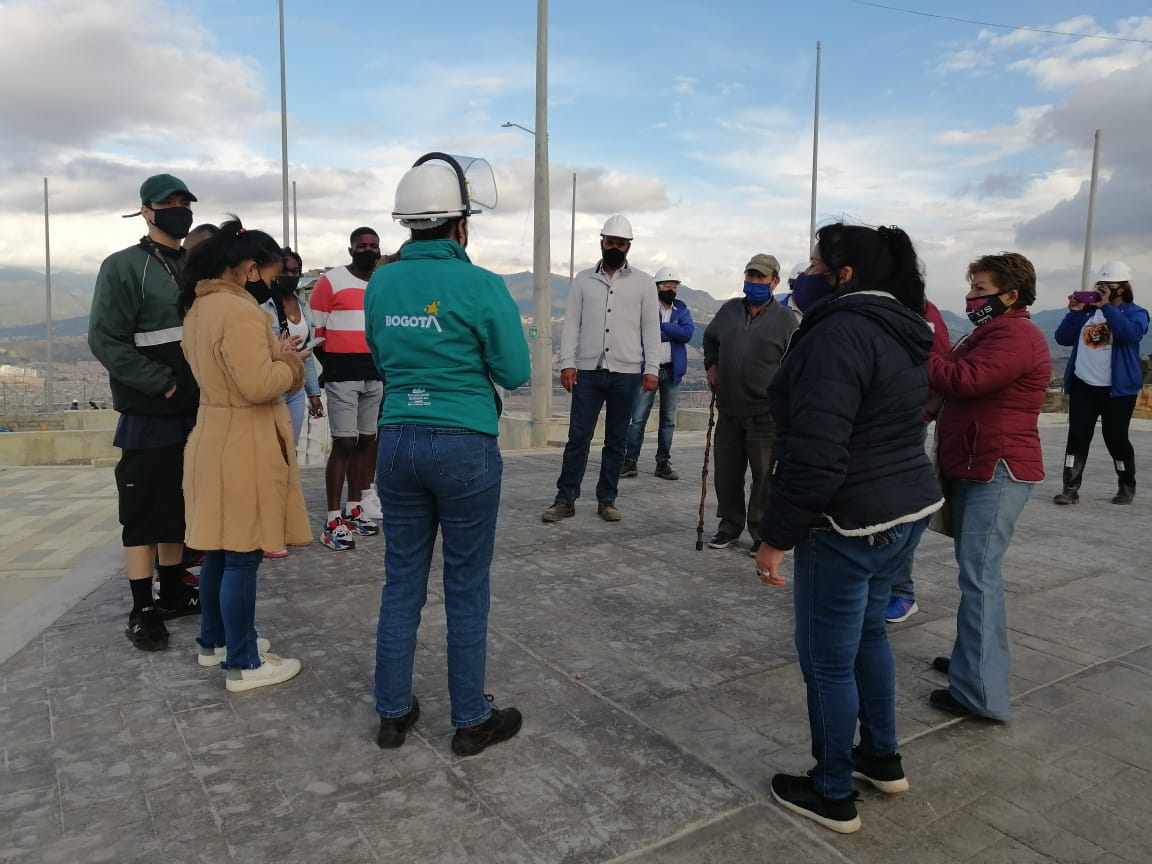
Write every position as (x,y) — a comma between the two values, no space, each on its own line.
(1115,271)
(667,274)
(429,195)
(617,226)
(797,270)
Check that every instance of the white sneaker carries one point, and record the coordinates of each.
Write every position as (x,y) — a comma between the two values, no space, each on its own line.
(274,670)
(215,656)
(370,504)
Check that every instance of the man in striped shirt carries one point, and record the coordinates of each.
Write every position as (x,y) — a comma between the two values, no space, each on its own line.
(354,391)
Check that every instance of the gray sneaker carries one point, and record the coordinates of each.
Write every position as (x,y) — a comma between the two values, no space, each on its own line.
(559,510)
(664,471)
(607,511)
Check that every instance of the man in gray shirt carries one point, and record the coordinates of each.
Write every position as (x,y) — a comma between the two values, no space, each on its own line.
(610,348)
(743,346)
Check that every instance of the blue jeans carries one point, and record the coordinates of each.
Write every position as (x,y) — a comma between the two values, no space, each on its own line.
(902,585)
(596,389)
(297,402)
(430,478)
(228,605)
(984,517)
(840,590)
(669,396)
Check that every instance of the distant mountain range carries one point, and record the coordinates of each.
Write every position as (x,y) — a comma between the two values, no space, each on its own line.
(22,306)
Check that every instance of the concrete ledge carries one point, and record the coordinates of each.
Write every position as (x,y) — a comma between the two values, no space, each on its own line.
(69,447)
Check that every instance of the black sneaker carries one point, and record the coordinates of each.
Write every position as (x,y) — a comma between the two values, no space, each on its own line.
(754,548)
(942,664)
(393,729)
(146,630)
(503,724)
(945,701)
(665,471)
(796,794)
(629,469)
(720,540)
(185,603)
(884,772)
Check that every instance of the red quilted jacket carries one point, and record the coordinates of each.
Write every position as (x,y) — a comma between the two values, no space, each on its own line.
(993,384)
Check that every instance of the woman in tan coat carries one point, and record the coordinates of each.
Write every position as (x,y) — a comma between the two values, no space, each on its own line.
(241,485)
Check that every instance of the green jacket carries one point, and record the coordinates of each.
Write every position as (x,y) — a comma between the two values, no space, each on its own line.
(441,330)
(134,330)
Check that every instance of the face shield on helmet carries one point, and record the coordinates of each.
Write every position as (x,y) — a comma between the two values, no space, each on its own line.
(439,187)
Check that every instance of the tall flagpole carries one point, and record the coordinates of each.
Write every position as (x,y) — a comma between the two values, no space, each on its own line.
(572,244)
(48,301)
(295,224)
(1086,270)
(283,124)
(541,247)
(815,152)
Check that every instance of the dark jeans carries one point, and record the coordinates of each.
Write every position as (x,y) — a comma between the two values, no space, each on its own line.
(228,605)
(742,443)
(840,590)
(1085,404)
(596,389)
(669,392)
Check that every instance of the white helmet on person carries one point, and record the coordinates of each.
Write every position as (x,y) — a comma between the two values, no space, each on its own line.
(1115,271)
(667,274)
(617,226)
(797,271)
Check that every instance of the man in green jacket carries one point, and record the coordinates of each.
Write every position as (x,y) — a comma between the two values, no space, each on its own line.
(134,331)
(444,334)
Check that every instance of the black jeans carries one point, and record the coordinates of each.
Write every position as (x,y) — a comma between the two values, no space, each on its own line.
(1087,403)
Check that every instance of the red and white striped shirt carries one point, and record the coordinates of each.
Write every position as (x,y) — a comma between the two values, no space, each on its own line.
(337,303)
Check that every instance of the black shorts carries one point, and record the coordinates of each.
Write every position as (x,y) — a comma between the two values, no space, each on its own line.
(150,486)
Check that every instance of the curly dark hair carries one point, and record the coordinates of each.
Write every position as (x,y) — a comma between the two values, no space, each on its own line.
(1010,271)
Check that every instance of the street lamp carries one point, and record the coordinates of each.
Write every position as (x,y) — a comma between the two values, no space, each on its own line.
(518,126)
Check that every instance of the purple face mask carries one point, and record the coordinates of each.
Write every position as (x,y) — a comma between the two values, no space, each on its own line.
(809,289)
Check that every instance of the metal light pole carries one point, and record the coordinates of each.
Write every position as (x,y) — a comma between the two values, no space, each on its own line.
(283,123)
(572,246)
(1086,270)
(815,152)
(541,247)
(295,224)
(48,299)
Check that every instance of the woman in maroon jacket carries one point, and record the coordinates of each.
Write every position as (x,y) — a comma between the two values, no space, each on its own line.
(993,384)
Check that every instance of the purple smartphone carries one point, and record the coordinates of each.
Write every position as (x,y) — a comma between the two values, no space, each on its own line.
(1085,296)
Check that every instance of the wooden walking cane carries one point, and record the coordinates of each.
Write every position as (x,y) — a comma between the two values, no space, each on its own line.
(704,473)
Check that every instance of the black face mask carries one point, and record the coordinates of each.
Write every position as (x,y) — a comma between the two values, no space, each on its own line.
(176,222)
(365,262)
(613,258)
(285,286)
(981,310)
(260,290)
(666,296)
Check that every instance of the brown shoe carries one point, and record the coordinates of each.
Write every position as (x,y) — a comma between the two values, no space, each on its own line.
(607,511)
(559,510)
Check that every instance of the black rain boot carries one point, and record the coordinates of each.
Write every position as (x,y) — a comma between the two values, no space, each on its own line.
(1127,480)
(1073,474)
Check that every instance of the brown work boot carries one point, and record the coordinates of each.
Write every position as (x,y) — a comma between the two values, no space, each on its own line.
(559,510)
(607,511)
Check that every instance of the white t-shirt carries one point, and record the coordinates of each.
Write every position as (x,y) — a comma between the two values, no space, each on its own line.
(1094,355)
(665,347)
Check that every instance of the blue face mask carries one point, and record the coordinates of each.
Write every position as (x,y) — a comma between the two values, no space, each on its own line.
(808,290)
(757,292)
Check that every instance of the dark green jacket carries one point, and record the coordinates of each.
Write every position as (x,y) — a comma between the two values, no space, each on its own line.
(134,330)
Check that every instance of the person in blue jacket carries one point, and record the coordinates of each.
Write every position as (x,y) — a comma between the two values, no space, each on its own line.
(676,328)
(1103,378)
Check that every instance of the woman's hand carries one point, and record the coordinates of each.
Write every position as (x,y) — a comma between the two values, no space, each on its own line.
(768,561)
(290,343)
(315,407)
(1073,305)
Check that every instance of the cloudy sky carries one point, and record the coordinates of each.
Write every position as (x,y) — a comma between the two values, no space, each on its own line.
(692,118)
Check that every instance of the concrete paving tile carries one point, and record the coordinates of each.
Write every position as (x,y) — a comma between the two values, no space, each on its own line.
(134,843)
(881,841)
(29,821)
(23,721)
(936,792)
(1034,831)
(964,836)
(129,811)
(1101,824)
(1010,851)
(107,691)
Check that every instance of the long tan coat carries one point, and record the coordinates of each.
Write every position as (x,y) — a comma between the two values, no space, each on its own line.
(241,485)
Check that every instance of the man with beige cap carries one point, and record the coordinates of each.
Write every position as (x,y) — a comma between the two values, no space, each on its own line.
(743,346)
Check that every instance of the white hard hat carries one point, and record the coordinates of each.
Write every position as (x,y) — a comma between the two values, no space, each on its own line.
(617,226)
(1115,271)
(797,270)
(428,195)
(667,274)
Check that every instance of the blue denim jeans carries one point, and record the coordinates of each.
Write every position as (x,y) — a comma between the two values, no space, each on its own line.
(840,590)
(297,404)
(228,605)
(596,389)
(433,478)
(984,517)
(669,396)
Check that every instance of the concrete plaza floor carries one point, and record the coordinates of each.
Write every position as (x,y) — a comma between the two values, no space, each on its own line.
(659,687)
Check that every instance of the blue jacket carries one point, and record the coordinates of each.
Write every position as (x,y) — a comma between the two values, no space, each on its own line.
(1129,324)
(678,332)
(848,403)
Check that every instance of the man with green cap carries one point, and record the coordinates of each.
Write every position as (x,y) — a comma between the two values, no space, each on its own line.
(134,330)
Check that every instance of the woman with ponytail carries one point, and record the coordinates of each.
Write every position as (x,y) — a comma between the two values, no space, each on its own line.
(852,489)
(241,487)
